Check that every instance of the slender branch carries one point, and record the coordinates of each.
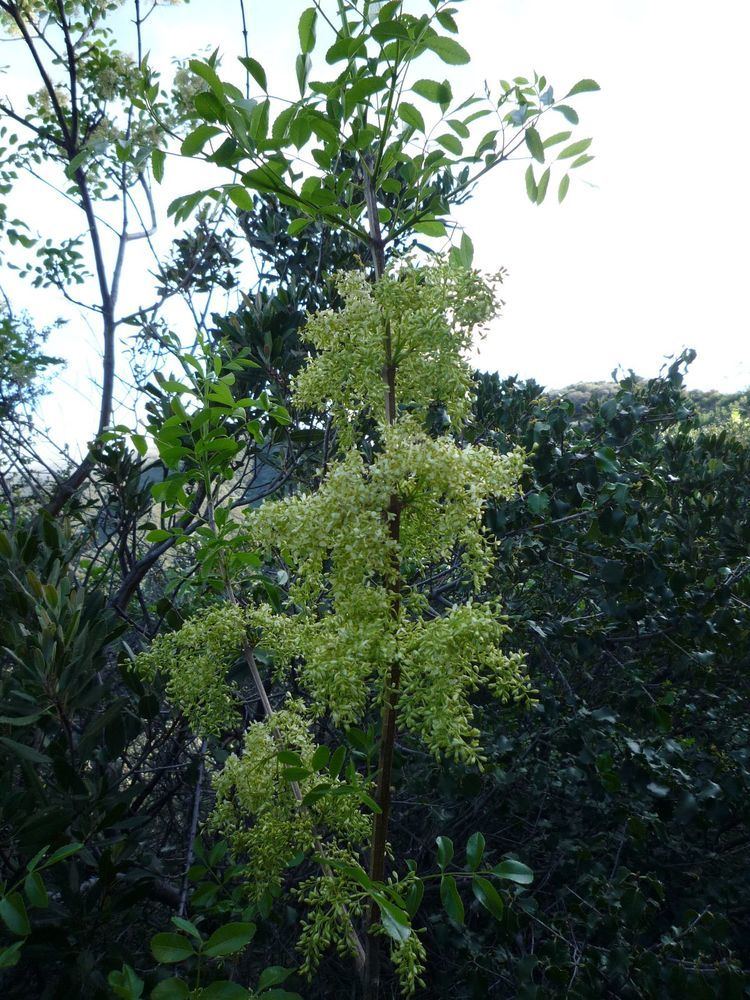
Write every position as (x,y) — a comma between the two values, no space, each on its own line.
(197,795)
(247,50)
(391,688)
(18,18)
(72,75)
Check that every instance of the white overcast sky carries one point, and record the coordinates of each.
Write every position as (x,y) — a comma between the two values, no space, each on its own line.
(648,257)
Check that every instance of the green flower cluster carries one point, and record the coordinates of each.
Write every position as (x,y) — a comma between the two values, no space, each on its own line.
(409,958)
(430,314)
(331,902)
(195,660)
(345,560)
(442,492)
(258,813)
(442,662)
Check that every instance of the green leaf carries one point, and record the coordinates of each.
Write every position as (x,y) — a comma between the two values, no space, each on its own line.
(20,720)
(280,127)
(459,128)
(475,850)
(30,867)
(534,143)
(531,188)
(463,255)
(197,139)
(10,956)
(570,114)
(538,503)
(266,178)
(35,890)
(209,106)
(302,68)
(158,156)
(487,142)
(557,137)
(430,227)
(170,948)
(514,871)
(411,115)
(258,124)
(6,549)
(280,995)
(359,91)
(451,143)
(296,226)
(431,90)
(158,535)
(345,48)
(140,443)
(125,983)
(467,250)
(21,750)
(172,384)
(170,989)
(414,897)
(488,896)
(574,149)
(448,50)
(256,71)
(445,852)
(363,797)
(77,161)
(188,926)
(446,20)
(306,30)
(208,74)
(272,976)
(394,920)
(223,989)
(61,854)
(320,758)
(583,87)
(388,10)
(389,31)
(295,773)
(241,198)
(337,762)
(450,899)
(229,939)
(581,161)
(13,914)
(541,188)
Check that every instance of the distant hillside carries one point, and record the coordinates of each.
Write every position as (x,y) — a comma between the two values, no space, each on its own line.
(711,405)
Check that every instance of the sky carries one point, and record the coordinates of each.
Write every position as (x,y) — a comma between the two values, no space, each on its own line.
(648,254)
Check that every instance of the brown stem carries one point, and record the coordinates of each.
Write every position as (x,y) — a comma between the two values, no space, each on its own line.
(393,681)
(197,795)
(384,780)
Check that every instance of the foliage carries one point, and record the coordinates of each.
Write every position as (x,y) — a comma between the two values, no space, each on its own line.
(22,365)
(374,150)
(260,698)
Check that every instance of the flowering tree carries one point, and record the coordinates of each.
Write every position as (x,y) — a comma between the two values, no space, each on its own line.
(356,634)
(355,637)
